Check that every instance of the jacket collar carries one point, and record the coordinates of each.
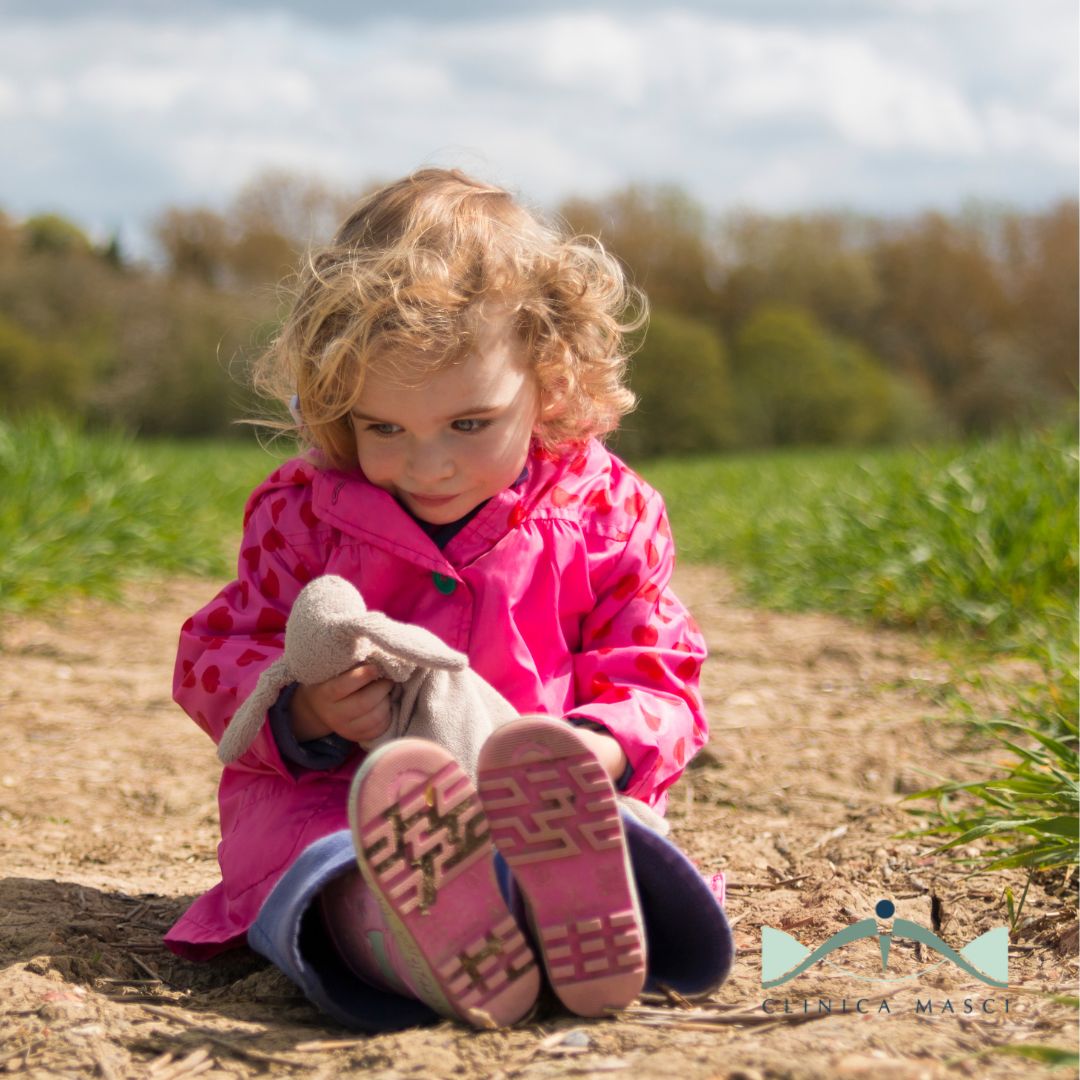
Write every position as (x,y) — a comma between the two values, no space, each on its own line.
(350,502)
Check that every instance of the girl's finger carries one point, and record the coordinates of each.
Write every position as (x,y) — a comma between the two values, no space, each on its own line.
(349,682)
(373,692)
(360,702)
(371,724)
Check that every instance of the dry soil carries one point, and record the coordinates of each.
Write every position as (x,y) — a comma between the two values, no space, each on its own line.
(819,728)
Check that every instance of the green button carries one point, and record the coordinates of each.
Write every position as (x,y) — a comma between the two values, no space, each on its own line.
(445,585)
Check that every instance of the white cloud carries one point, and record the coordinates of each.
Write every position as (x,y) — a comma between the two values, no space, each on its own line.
(905,100)
(881,104)
(132,88)
(590,53)
(1017,132)
(748,76)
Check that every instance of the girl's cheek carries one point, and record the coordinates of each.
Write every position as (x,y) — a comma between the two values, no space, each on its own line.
(374,460)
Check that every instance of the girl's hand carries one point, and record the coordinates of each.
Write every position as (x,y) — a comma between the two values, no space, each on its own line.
(354,705)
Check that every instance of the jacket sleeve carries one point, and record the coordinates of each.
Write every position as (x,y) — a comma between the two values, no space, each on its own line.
(225,647)
(638,669)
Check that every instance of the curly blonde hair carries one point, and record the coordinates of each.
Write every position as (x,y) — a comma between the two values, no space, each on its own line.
(406,280)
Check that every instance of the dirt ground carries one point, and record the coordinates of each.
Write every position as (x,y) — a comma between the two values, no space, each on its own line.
(108,830)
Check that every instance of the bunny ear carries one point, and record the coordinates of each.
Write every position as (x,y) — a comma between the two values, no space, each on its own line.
(329,596)
(412,643)
(246,721)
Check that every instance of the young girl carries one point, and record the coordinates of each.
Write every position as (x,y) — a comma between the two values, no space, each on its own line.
(454,361)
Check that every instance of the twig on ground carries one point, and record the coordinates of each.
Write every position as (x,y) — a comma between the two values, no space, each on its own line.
(767,884)
(315,1046)
(675,998)
(137,910)
(219,1040)
(167,1067)
(145,967)
(144,999)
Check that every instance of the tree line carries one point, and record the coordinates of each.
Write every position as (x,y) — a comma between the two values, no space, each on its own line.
(765,330)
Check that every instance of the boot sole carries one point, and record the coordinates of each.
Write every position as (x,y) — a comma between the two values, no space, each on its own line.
(423,846)
(554,818)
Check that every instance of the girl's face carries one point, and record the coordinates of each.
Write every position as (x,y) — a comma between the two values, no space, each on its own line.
(444,446)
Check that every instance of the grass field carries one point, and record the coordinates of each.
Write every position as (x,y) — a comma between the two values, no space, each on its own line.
(81,513)
(977,545)
(978,541)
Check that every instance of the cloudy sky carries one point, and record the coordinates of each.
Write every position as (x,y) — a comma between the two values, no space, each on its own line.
(113,109)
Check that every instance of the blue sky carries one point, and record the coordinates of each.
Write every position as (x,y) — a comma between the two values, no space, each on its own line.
(112,110)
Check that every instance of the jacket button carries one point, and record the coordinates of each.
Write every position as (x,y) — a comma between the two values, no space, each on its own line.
(445,585)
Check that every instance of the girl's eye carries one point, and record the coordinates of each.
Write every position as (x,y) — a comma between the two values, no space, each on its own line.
(383,430)
(469,427)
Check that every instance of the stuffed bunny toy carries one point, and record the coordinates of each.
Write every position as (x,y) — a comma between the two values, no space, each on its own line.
(331,630)
(438,697)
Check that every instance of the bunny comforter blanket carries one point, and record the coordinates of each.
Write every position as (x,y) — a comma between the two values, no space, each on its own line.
(557,592)
(437,696)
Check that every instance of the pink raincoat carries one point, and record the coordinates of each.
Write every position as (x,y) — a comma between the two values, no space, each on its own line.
(557,590)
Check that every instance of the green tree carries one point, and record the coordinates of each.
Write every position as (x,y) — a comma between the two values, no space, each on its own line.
(175,362)
(38,375)
(819,262)
(685,401)
(796,383)
(55,234)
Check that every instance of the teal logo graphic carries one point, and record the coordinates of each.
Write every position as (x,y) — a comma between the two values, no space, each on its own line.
(783,957)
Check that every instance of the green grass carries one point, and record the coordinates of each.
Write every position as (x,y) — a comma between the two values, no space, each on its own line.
(1028,811)
(977,542)
(81,513)
(976,545)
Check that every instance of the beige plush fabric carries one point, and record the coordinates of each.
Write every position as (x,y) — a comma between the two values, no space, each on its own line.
(439,697)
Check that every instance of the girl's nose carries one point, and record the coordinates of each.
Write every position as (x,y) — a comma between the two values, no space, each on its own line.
(430,463)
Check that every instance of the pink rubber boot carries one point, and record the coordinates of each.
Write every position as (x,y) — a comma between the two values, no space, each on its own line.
(554,819)
(423,847)
(359,929)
